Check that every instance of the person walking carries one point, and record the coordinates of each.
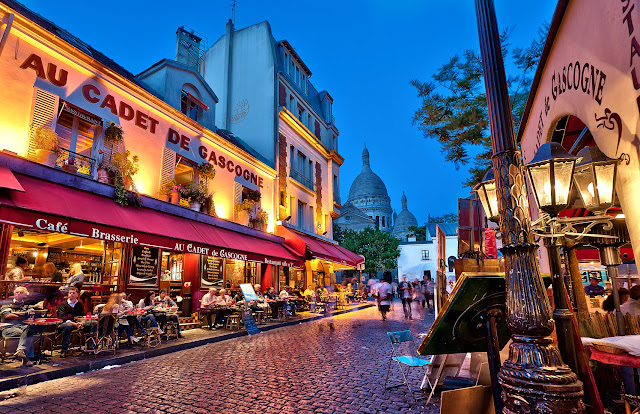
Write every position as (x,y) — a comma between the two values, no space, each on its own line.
(405,294)
(385,292)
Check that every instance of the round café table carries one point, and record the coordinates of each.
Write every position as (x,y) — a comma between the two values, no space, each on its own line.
(42,322)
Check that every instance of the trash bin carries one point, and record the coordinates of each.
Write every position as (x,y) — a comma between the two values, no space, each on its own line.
(186,306)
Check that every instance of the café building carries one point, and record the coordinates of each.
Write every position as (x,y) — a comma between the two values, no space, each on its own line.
(586,93)
(62,208)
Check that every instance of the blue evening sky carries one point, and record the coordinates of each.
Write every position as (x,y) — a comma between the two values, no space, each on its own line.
(364,52)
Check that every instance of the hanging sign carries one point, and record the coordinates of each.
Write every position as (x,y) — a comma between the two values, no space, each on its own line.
(490,246)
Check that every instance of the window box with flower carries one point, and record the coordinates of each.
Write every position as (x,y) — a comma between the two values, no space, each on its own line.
(197,194)
(260,220)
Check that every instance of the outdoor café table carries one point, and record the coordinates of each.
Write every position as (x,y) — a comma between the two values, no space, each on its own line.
(42,322)
(627,354)
(136,312)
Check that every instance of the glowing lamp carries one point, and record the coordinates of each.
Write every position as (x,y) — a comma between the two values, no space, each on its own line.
(595,178)
(550,174)
(486,191)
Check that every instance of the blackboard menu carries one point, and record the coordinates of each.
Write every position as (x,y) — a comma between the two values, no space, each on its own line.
(211,272)
(144,266)
(54,255)
(250,323)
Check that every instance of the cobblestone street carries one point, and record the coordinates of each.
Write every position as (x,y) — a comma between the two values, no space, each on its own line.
(305,368)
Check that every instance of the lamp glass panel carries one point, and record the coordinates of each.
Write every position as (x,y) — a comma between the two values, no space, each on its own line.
(483,199)
(583,178)
(604,176)
(563,171)
(490,188)
(541,184)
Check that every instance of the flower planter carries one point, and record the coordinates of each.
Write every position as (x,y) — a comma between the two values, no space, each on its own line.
(194,205)
(175,197)
(242,217)
(70,168)
(165,197)
(46,157)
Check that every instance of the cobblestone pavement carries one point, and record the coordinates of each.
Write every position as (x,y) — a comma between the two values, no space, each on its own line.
(305,368)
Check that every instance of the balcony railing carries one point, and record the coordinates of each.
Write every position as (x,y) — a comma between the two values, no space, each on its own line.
(299,177)
(84,164)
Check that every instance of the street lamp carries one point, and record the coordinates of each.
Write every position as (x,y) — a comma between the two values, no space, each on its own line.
(550,172)
(595,177)
(486,191)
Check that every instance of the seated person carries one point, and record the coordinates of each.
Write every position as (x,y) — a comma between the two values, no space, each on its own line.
(287,307)
(163,300)
(68,311)
(270,294)
(114,306)
(260,302)
(16,311)
(207,304)
(125,321)
(632,305)
(149,318)
(309,293)
(224,301)
(593,288)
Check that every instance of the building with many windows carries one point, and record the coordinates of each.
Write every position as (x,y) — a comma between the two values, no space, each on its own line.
(80,132)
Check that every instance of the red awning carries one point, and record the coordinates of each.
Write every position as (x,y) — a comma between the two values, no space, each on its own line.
(8,180)
(53,207)
(317,248)
(592,254)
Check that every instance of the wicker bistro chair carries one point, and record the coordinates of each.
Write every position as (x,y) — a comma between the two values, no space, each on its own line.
(397,339)
(104,338)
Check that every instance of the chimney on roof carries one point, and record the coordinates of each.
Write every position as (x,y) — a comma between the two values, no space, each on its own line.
(188,49)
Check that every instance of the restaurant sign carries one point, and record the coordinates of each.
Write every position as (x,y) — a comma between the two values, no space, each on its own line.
(57,224)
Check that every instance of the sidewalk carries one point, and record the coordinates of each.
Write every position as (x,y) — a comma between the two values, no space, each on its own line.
(13,375)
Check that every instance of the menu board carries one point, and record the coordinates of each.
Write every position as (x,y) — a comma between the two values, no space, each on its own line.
(54,255)
(144,266)
(211,273)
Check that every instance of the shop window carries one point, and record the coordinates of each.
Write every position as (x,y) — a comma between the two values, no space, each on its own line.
(234,273)
(76,131)
(252,273)
(172,266)
(112,260)
(425,255)
(192,106)
(185,172)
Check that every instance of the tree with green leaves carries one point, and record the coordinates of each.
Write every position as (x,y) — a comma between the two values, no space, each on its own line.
(445,218)
(379,248)
(454,105)
(419,231)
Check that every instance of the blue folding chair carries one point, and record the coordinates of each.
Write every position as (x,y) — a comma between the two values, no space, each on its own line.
(397,340)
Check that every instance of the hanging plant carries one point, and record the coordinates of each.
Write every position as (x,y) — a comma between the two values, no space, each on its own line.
(114,134)
(196,192)
(124,169)
(207,171)
(45,139)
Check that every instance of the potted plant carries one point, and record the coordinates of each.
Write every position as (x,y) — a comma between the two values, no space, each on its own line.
(197,194)
(260,220)
(125,167)
(46,144)
(207,171)
(70,166)
(166,189)
(242,210)
(176,193)
(254,196)
(113,134)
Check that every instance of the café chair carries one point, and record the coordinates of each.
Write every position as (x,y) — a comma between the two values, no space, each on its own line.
(233,320)
(402,341)
(258,315)
(170,330)
(152,338)
(104,337)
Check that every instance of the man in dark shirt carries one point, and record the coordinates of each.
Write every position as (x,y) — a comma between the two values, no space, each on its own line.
(593,288)
(68,310)
(16,312)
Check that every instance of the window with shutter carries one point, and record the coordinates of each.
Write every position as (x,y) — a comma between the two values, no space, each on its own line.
(237,197)
(168,166)
(44,114)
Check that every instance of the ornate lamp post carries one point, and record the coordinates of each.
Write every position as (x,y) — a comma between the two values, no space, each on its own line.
(550,172)
(533,379)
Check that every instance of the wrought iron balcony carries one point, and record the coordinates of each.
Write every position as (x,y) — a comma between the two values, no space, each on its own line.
(299,177)
(84,164)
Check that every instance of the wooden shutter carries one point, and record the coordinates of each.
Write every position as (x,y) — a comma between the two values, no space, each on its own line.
(44,114)
(237,197)
(168,166)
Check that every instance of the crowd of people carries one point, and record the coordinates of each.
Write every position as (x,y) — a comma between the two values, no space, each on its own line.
(17,311)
